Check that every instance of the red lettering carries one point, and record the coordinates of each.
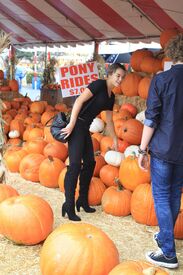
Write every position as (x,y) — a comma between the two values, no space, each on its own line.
(94,77)
(82,68)
(72,84)
(63,71)
(64,84)
(71,91)
(73,70)
(86,79)
(90,66)
(79,81)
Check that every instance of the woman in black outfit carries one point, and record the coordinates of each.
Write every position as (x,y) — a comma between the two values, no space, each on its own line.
(96,97)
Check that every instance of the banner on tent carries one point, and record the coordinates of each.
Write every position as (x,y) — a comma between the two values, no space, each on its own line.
(73,79)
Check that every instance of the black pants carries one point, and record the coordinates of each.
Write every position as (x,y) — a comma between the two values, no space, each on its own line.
(81,162)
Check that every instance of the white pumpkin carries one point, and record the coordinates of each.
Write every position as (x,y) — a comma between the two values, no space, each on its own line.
(141,116)
(97,125)
(13,134)
(131,151)
(114,158)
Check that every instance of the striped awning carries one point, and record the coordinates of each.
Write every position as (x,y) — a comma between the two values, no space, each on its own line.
(81,21)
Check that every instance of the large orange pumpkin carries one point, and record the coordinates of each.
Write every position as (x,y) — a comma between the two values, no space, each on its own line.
(7,191)
(129,85)
(137,268)
(137,57)
(56,149)
(142,205)
(26,219)
(132,131)
(78,248)
(49,171)
(131,175)
(29,167)
(166,35)
(100,162)
(116,201)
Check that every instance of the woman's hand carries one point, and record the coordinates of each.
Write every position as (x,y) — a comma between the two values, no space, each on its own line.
(67,130)
(143,161)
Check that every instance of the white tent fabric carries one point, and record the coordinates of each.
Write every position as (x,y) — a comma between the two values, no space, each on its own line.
(38,22)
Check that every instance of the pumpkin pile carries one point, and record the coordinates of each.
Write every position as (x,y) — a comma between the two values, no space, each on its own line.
(8,85)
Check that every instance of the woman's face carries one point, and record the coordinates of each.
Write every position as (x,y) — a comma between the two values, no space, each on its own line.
(117,77)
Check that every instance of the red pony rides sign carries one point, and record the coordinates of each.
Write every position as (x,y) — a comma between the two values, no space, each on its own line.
(73,79)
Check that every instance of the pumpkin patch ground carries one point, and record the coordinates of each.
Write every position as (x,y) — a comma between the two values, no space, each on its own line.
(132,239)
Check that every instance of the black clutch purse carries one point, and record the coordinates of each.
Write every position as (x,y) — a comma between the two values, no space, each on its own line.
(59,121)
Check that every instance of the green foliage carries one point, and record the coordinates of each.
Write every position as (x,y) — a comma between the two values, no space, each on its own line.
(30,75)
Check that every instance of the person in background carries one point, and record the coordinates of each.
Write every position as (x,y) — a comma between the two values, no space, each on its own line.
(163,136)
(96,97)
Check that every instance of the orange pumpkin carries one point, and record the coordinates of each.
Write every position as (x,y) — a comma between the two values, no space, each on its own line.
(116,201)
(132,131)
(142,205)
(166,35)
(13,159)
(49,171)
(122,114)
(36,146)
(106,144)
(129,84)
(137,268)
(96,191)
(100,162)
(46,116)
(7,191)
(56,149)
(35,133)
(137,57)
(59,254)
(26,219)
(131,175)
(129,107)
(143,88)
(29,167)
(151,65)
(96,144)
(37,107)
(108,174)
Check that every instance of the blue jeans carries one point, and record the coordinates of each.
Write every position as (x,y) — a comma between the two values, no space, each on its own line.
(167,181)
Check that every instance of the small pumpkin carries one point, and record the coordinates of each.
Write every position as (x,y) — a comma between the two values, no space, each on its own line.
(14,134)
(108,174)
(97,125)
(131,151)
(114,158)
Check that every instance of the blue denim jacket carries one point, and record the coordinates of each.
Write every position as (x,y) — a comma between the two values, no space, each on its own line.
(165,113)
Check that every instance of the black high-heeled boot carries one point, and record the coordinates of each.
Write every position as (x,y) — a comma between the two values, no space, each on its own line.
(85,206)
(85,178)
(70,186)
(70,213)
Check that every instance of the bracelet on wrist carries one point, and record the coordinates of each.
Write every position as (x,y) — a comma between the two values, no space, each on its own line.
(142,152)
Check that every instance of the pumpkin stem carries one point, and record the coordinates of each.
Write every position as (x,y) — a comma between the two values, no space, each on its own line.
(50,158)
(118,183)
(97,153)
